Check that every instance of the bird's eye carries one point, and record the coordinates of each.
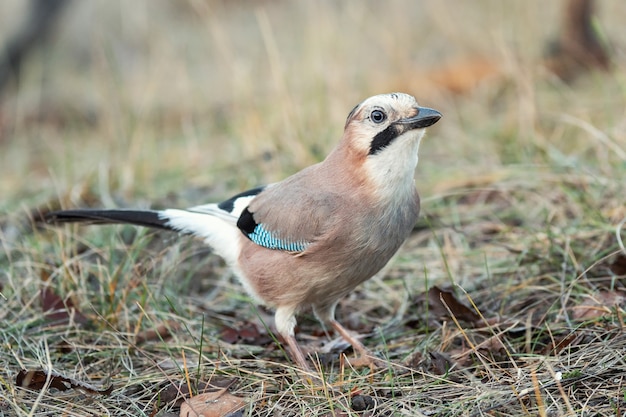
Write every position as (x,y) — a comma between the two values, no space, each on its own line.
(378,116)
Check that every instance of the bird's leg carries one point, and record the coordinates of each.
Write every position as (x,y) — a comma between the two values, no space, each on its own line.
(296,352)
(326,314)
(366,358)
(285,321)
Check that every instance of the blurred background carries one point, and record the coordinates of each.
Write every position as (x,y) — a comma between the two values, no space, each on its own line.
(135,101)
(155,103)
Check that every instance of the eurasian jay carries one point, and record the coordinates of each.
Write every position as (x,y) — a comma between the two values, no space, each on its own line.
(307,241)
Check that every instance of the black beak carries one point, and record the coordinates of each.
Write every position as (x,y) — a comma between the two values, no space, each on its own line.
(425,117)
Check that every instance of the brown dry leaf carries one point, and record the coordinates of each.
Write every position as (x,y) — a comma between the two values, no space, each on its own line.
(445,303)
(618,266)
(55,308)
(598,306)
(178,391)
(440,363)
(249,333)
(560,343)
(162,332)
(492,345)
(36,380)
(461,356)
(211,404)
(58,311)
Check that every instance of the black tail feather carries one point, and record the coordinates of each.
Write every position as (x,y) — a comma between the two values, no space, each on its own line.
(146,218)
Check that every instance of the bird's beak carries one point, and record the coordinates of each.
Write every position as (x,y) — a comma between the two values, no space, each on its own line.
(423,118)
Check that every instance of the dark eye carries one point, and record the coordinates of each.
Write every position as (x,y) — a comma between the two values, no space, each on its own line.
(378,116)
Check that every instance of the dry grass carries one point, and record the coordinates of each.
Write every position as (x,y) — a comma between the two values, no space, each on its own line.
(179,104)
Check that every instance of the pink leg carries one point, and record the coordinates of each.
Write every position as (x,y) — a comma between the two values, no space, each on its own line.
(366,358)
(285,322)
(296,352)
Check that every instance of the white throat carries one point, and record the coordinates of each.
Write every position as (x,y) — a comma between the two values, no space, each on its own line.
(392,169)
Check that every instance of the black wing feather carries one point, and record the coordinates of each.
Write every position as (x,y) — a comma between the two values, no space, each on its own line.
(229,205)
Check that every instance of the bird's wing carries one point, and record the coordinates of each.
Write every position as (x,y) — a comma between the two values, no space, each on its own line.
(289,216)
(229,210)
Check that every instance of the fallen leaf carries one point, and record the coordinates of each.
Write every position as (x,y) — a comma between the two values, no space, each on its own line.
(560,343)
(444,303)
(55,308)
(162,332)
(618,267)
(247,333)
(211,404)
(59,311)
(440,363)
(178,391)
(414,360)
(599,305)
(37,380)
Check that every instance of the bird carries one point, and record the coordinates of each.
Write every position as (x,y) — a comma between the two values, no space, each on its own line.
(307,241)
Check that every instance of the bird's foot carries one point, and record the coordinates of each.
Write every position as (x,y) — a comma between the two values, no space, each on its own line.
(366,359)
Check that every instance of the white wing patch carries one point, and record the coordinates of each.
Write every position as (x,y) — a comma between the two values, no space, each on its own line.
(216,211)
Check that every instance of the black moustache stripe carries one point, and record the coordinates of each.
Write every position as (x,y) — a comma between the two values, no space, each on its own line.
(384,138)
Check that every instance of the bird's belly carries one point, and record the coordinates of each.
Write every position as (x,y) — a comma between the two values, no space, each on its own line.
(316,277)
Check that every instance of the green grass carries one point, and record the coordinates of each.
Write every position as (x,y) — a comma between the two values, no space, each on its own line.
(522,186)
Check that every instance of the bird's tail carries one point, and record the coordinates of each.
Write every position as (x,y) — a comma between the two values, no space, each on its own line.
(146,218)
(222,236)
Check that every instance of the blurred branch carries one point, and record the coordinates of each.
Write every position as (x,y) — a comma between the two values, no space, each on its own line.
(40,20)
(578,48)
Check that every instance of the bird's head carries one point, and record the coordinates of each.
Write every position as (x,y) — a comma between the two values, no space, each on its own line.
(381,121)
(382,134)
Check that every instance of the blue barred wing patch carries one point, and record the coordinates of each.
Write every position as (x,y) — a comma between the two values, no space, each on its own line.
(264,238)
